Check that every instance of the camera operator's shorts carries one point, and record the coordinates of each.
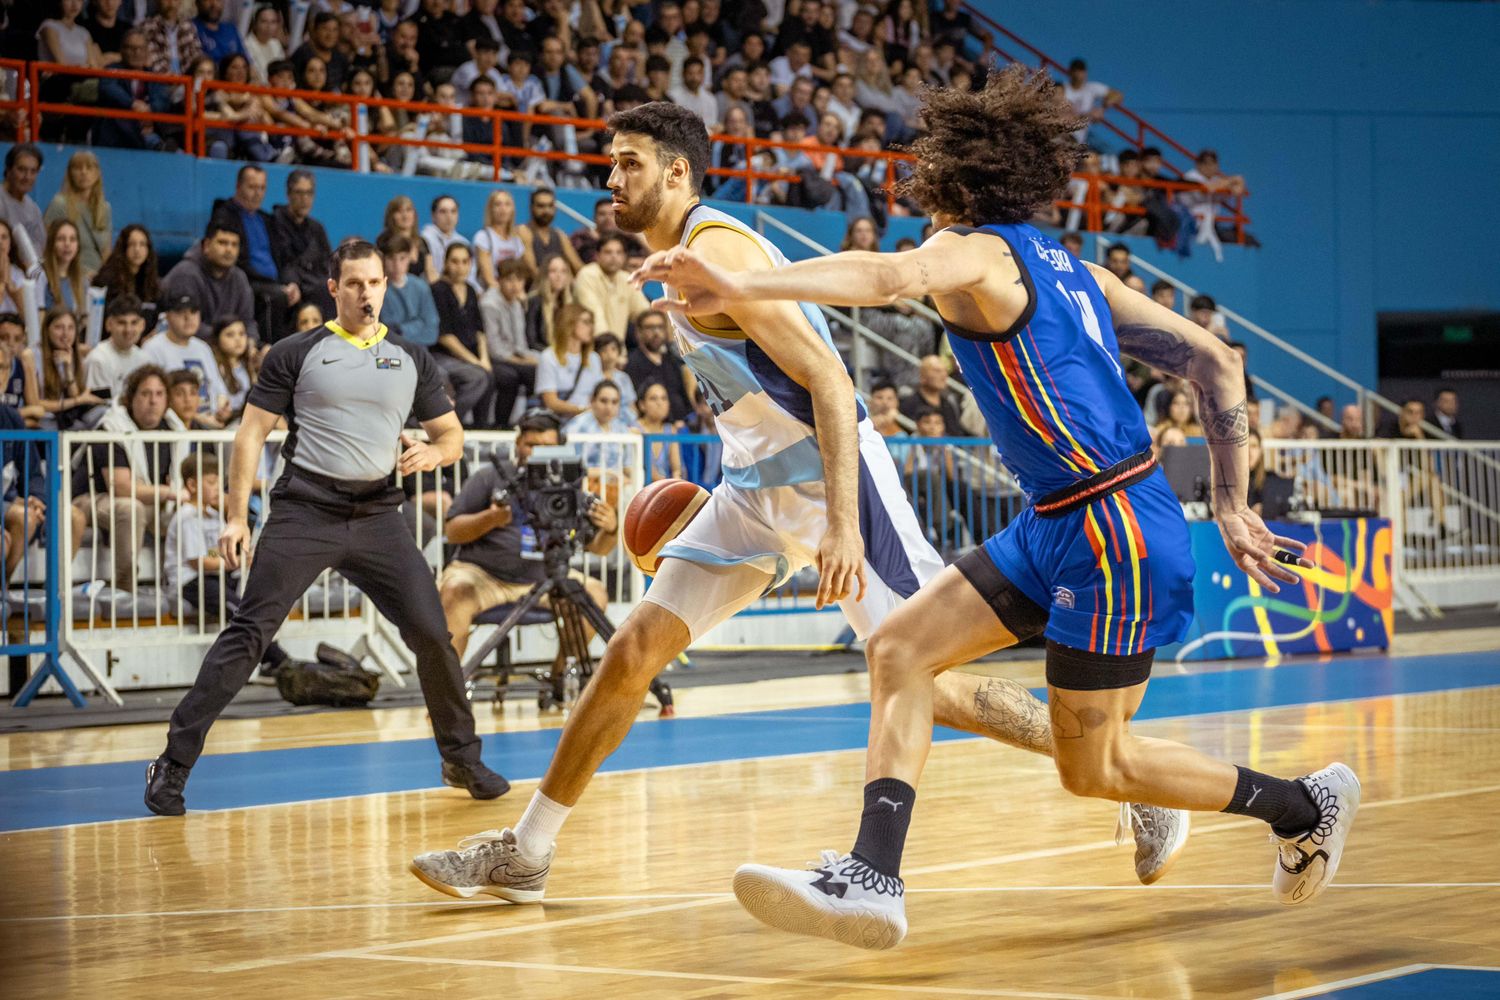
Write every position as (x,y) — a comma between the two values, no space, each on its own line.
(745,542)
(488,590)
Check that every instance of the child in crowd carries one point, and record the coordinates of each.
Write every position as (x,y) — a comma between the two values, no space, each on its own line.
(194,569)
(184,396)
(611,351)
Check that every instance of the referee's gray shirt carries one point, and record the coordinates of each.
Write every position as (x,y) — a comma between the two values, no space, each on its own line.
(345,403)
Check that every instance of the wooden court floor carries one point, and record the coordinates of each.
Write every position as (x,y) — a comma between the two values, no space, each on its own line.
(1015,889)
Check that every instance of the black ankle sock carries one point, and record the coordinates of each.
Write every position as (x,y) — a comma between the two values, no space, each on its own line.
(1282,803)
(882,826)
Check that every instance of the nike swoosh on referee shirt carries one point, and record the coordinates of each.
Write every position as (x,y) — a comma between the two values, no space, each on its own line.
(330,361)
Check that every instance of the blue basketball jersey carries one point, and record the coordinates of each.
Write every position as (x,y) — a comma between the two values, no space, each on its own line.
(1051,387)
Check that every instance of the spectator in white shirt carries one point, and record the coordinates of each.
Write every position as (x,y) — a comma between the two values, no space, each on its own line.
(109,364)
(569,369)
(442,231)
(842,105)
(263,46)
(180,348)
(695,95)
(1088,97)
(485,63)
(796,63)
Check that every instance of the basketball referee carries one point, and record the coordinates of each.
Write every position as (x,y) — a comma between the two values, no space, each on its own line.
(345,389)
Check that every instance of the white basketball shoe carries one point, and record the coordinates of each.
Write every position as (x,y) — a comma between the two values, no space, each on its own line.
(488,863)
(1305,864)
(1160,835)
(843,899)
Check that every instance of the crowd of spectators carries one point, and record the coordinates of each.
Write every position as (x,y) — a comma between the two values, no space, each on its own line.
(815,73)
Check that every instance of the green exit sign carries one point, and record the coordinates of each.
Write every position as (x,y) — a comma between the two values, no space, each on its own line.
(1458,334)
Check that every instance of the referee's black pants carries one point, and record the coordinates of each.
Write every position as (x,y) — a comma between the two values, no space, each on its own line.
(316,526)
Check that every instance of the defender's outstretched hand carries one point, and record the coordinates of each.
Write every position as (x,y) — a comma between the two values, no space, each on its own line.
(1263,556)
(701,287)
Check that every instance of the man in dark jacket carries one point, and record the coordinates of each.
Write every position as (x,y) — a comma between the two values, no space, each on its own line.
(299,243)
(207,274)
(274,297)
(135,95)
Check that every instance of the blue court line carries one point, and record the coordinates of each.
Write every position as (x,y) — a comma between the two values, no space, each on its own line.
(1449,983)
(89,793)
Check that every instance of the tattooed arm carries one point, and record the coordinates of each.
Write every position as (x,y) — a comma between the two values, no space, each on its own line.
(1151,333)
(947,263)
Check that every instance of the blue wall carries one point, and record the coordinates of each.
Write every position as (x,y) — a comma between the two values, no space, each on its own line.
(173,194)
(1368,130)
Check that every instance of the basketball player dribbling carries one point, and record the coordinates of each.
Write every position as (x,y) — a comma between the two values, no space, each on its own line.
(1099,561)
(807,481)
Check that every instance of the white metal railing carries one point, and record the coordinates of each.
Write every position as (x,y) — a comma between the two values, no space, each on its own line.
(1442,499)
(143,612)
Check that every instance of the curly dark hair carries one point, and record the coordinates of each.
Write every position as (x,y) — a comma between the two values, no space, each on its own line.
(995,155)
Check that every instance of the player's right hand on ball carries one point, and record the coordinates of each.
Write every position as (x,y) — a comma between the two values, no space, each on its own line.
(234,540)
(841,565)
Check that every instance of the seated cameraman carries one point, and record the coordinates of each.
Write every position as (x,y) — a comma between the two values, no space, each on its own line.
(491,564)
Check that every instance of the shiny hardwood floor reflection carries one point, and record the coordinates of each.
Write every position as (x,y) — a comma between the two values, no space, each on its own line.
(1015,888)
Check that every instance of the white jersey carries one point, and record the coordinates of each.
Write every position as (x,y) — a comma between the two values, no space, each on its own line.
(770,511)
(763,416)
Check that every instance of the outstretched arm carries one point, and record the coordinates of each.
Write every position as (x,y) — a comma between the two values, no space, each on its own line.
(941,266)
(1162,339)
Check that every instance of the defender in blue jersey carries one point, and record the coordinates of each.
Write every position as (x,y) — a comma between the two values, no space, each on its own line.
(1099,559)
(807,481)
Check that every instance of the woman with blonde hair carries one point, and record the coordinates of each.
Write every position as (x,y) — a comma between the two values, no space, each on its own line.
(499,240)
(554,290)
(569,369)
(81,201)
(401,218)
(873,90)
(66,283)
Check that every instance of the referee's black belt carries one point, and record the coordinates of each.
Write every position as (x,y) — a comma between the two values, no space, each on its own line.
(1096,487)
(354,489)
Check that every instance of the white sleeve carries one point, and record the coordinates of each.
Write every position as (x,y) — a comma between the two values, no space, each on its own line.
(188,545)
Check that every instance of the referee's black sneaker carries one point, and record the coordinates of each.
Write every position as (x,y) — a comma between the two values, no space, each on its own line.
(476,779)
(165,780)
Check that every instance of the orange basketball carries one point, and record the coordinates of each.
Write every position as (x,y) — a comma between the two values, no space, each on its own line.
(656,516)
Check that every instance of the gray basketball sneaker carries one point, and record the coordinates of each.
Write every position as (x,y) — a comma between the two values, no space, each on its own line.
(843,899)
(1305,864)
(488,863)
(1160,835)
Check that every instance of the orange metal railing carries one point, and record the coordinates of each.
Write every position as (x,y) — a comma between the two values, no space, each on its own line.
(197,119)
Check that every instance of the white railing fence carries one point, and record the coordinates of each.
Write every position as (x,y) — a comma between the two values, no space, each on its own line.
(122,582)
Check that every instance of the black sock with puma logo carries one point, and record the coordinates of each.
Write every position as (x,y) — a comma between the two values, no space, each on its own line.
(1284,804)
(882,826)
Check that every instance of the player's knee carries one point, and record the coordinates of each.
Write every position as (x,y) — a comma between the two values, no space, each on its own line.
(893,656)
(632,658)
(1107,775)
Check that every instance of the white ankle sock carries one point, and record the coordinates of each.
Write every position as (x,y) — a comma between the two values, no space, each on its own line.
(539,825)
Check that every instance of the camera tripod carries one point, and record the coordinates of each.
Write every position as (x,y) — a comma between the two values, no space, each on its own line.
(571,606)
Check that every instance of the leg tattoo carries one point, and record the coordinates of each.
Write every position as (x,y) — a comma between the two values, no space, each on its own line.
(1006,711)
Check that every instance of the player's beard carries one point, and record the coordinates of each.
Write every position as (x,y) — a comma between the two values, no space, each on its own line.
(637,216)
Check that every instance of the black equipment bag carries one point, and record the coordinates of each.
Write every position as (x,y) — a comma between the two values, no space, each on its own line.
(335,679)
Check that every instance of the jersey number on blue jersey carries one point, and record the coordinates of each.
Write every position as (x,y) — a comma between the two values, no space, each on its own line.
(1090,322)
